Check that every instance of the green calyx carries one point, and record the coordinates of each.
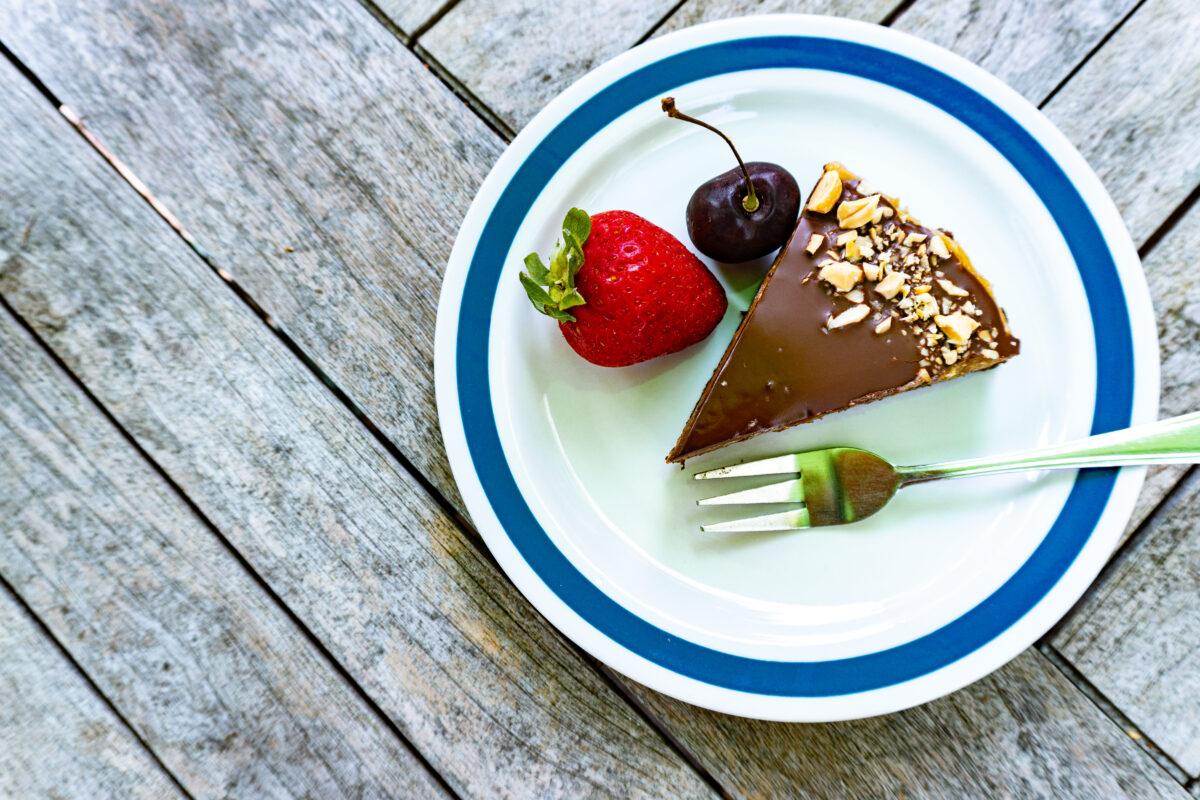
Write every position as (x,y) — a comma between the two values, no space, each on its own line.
(552,290)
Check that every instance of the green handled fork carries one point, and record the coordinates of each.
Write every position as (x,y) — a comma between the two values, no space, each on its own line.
(845,484)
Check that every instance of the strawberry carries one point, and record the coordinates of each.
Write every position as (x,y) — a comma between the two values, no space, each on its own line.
(623,289)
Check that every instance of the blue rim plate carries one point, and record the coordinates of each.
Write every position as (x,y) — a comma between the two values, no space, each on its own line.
(965,648)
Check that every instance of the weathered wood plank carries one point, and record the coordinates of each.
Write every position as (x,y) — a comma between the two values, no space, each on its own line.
(480,684)
(1137,638)
(57,737)
(515,56)
(694,12)
(208,670)
(1022,732)
(1133,111)
(1029,44)
(317,160)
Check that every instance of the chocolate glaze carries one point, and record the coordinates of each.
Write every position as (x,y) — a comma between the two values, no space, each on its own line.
(784,366)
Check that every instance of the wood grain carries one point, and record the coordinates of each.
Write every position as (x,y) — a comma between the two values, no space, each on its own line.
(316,160)
(694,12)
(1022,732)
(208,670)
(57,737)
(480,684)
(1133,111)
(1029,44)
(1137,637)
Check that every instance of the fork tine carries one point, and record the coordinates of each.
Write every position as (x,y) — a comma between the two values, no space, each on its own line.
(789,491)
(785,521)
(764,466)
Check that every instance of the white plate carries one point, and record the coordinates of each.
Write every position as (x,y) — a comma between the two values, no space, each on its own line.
(561,463)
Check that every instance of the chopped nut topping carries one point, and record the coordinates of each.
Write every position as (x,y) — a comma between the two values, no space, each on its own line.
(949,356)
(914,238)
(925,306)
(937,245)
(884,326)
(923,374)
(845,236)
(989,353)
(850,316)
(851,251)
(889,287)
(826,194)
(840,275)
(952,290)
(814,244)
(871,270)
(958,327)
(986,335)
(856,213)
(855,296)
(865,188)
(865,247)
(921,290)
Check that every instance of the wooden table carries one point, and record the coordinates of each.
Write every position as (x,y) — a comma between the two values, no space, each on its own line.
(234,562)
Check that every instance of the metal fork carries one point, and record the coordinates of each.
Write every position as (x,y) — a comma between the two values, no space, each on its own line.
(845,484)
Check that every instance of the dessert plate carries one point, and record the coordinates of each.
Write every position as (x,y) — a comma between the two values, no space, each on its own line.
(561,464)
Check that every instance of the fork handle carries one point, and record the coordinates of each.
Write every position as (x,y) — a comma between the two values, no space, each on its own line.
(1168,441)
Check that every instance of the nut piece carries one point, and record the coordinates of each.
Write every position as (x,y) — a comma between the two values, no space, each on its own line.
(937,246)
(951,289)
(827,192)
(958,327)
(949,356)
(855,296)
(871,270)
(925,306)
(890,286)
(989,353)
(855,213)
(814,244)
(914,238)
(884,327)
(840,275)
(851,250)
(845,236)
(850,316)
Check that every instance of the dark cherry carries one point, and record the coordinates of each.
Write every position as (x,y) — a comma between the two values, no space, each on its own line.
(744,213)
(722,228)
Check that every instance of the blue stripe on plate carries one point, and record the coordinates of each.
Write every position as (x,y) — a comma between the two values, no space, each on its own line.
(1114,351)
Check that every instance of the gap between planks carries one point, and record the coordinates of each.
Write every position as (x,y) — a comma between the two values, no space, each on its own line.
(1110,710)
(504,132)
(10,590)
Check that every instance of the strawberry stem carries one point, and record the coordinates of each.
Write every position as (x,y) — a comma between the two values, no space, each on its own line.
(750,201)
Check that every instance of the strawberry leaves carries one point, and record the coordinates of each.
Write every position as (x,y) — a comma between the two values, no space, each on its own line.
(552,289)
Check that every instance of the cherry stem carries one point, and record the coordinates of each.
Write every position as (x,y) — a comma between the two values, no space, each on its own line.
(750,201)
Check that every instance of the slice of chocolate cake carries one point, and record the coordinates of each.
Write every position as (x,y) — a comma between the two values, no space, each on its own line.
(863,302)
